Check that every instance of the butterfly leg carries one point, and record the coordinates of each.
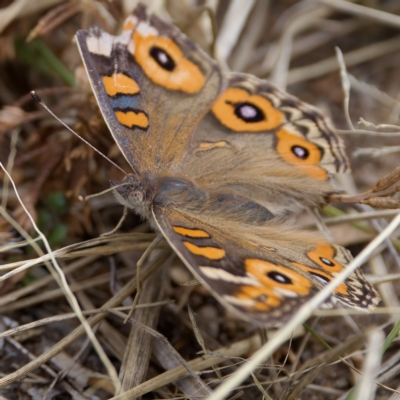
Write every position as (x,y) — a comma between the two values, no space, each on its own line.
(139,265)
(120,222)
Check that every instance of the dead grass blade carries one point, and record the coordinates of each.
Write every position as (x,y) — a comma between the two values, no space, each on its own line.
(139,345)
(366,388)
(312,368)
(364,12)
(59,276)
(235,350)
(351,58)
(78,332)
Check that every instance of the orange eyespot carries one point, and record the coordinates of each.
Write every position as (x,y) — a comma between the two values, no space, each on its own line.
(323,277)
(277,282)
(242,112)
(323,255)
(120,84)
(298,151)
(164,63)
(277,276)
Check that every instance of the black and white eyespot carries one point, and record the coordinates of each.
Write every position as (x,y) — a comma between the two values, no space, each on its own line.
(248,112)
(280,278)
(300,152)
(321,278)
(162,58)
(327,262)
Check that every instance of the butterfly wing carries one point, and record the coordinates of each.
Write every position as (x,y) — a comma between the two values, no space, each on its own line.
(159,94)
(153,87)
(262,275)
(264,143)
(302,135)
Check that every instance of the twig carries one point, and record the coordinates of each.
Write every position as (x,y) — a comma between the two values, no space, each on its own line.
(364,12)
(351,59)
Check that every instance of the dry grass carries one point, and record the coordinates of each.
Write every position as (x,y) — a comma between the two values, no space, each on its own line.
(46,294)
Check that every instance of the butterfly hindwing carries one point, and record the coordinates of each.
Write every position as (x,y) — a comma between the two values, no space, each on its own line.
(239,279)
(249,109)
(329,260)
(261,280)
(260,142)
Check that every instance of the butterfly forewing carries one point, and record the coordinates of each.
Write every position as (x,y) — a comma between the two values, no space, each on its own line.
(153,87)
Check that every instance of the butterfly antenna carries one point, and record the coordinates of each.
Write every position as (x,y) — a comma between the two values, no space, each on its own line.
(38,100)
(111,189)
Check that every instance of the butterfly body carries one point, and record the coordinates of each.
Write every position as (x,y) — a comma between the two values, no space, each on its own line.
(220,162)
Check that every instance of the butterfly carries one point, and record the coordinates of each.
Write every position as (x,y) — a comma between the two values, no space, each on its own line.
(220,161)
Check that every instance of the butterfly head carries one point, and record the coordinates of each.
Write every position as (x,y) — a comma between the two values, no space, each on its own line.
(132,194)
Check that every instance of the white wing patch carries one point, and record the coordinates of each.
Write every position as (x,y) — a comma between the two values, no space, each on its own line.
(285,293)
(124,38)
(101,45)
(220,274)
(146,29)
(239,302)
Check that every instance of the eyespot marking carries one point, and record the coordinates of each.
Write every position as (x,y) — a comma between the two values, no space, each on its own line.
(162,58)
(190,232)
(277,282)
(249,112)
(280,278)
(322,278)
(327,262)
(324,255)
(300,152)
(272,276)
(133,119)
(120,84)
(240,111)
(212,253)
(164,63)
